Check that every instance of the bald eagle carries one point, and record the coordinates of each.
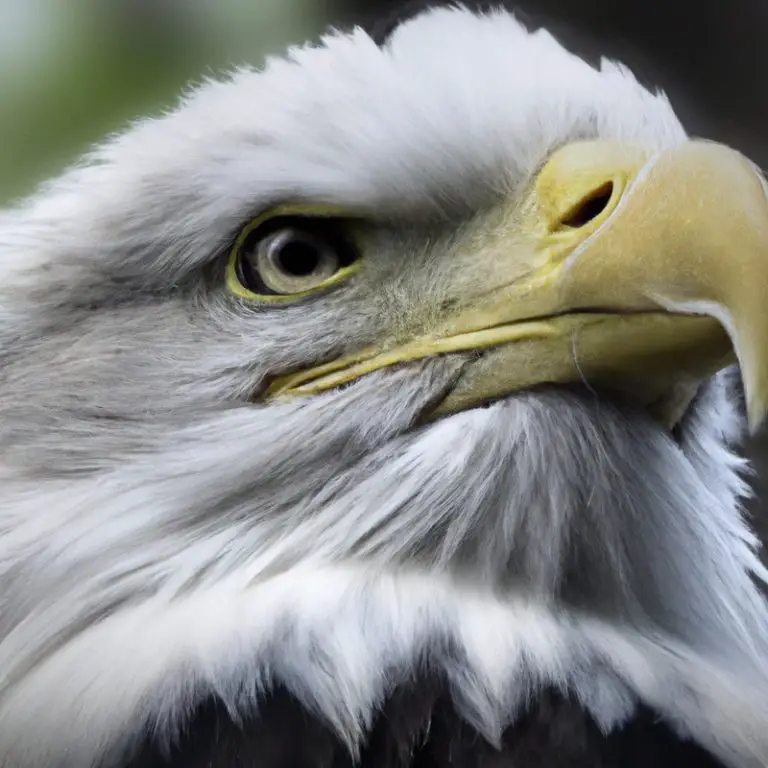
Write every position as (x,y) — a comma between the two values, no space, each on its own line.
(380,408)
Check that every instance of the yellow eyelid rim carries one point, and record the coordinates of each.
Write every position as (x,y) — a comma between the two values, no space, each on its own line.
(236,288)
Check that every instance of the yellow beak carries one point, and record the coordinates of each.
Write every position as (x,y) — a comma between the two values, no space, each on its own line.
(646,275)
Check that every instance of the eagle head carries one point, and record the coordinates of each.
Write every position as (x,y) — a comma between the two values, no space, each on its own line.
(392,360)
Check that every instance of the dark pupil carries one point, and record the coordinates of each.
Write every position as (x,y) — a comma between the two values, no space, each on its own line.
(299,257)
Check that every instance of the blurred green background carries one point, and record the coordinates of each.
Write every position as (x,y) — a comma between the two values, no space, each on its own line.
(72,71)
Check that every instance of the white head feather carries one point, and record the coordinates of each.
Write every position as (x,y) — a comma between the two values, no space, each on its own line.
(162,538)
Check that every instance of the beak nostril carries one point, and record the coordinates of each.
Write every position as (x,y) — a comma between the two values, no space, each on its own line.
(589,208)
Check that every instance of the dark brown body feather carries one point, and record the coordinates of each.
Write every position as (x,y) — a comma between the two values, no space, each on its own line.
(419,728)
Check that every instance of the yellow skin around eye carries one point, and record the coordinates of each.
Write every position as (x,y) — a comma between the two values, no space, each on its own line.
(236,288)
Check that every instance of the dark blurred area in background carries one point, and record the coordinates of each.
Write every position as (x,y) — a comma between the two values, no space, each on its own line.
(73,70)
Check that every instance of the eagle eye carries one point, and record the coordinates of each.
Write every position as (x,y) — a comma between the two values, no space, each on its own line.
(289,257)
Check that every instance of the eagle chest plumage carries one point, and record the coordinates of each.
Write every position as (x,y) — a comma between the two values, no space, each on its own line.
(381,408)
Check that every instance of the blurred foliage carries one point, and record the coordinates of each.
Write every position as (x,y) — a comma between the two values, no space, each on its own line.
(72,71)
